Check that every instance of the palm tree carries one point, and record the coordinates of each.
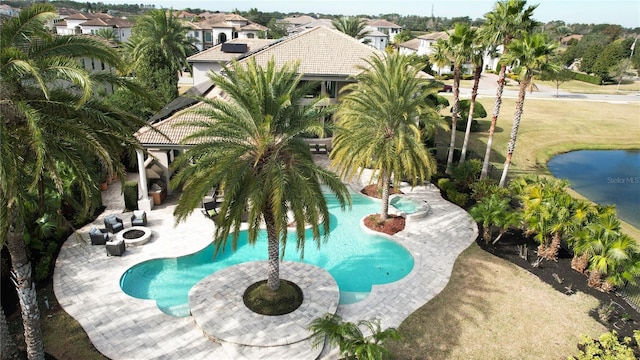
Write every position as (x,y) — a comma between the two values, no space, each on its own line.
(378,124)
(49,116)
(530,55)
(458,49)
(493,211)
(252,147)
(159,48)
(439,56)
(477,59)
(349,338)
(507,21)
(352,26)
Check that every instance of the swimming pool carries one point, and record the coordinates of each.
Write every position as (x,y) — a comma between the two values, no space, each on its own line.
(404,205)
(356,260)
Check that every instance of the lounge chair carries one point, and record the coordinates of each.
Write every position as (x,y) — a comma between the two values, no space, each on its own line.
(113,224)
(98,236)
(210,209)
(115,247)
(139,218)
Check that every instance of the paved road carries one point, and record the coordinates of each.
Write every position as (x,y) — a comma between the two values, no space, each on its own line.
(489,84)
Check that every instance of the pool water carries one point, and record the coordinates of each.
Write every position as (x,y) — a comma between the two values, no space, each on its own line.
(355,259)
(405,205)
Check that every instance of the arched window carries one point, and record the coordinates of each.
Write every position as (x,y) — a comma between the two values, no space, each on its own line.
(250,35)
(234,35)
(222,38)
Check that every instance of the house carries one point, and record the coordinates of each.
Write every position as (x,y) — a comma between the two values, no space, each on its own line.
(71,24)
(121,28)
(219,28)
(409,47)
(565,40)
(385,27)
(325,55)
(374,37)
(213,58)
(7,10)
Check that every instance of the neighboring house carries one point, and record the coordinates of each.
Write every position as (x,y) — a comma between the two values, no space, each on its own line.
(7,10)
(385,27)
(324,55)
(565,40)
(71,25)
(409,47)
(310,25)
(376,39)
(219,28)
(293,22)
(212,59)
(121,28)
(197,33)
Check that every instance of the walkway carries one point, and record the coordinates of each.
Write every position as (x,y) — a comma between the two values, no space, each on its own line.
(86,284)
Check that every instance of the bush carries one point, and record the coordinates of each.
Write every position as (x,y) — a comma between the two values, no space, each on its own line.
(608,346)
(485,188)
(466,77)
(466,173)
(588,78)
(458,198)
(45,262)
(445,184)
(130,191)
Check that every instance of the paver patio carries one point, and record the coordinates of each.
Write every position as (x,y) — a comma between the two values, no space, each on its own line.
(86,284)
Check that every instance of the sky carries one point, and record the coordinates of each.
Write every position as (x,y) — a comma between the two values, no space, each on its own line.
(622,12)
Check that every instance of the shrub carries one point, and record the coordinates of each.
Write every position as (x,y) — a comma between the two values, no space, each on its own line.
(130,191)
(486,187)
(588,78)
(445,184)
(45,262)
(458,198)
(466,173)
(608,346)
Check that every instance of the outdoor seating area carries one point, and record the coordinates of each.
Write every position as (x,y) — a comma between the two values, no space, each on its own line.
(113,224)
(98,236)
(115,247)
(139,218)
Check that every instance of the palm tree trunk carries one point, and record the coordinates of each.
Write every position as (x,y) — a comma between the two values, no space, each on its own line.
(386,182)
(9,349)
(494,120)
(273,248)
(472,106)
(514,130)
(454,116)
(26,289)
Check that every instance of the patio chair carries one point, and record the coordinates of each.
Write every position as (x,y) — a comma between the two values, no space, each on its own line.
(115,247)
(113,224)
(139,218)
(98,236)
(210,209)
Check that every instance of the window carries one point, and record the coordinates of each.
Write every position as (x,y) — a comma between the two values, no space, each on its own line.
(93,64)
(196,33)
(314,91)
(330,86)
(102,65)
(234,35)
(222,38)
(250,36)
(207,36)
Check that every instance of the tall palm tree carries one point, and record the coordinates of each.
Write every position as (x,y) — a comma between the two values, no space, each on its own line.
(378,124)
(252,147)
(510,19)
(476,53)
(48,116)
(159,48)
(439,56)
(529,55)
(458,48)
(352,26)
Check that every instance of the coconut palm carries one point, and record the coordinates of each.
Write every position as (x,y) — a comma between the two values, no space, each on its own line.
(509,20)
(159,48)
(349,338)
(352,26)
(529,55)
(48,116)
(476,53)
(378,124)
(458,49)
(251,145)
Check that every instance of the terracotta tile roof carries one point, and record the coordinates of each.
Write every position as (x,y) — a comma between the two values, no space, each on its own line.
(234,17)
(111,22)
(88,16)
(254,26)
(298,20)
(315,23)
(320,51)
(215,53)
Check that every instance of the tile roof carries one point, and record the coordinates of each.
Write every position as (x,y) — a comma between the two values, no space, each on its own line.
(316,22)
(320,51)
(298,20)
(411,44)
(254,26)
(234,17)
(383,23)
(88,16)
(435,36)
(215,53)
(111,22)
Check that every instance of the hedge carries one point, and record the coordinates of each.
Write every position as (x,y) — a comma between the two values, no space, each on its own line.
(592,79)
(130,195)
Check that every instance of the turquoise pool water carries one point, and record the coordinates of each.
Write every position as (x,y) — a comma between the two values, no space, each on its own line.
(355,259)
(405,205)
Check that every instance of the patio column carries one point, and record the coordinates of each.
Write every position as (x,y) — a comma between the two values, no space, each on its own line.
(145,203)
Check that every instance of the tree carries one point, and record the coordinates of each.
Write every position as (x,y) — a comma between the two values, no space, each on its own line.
(458,50)
(507,21)
(558,76)
(251,146)
(476,53)
(530,54)
(439,56)
(378,124)
(349,338)
(402,36)
(352,26)
(492,212)
(49,116)
(159,48)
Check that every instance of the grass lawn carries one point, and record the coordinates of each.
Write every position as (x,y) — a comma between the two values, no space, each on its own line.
(492,309)
(550,127)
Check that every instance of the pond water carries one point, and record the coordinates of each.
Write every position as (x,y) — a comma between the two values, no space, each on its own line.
(607,177)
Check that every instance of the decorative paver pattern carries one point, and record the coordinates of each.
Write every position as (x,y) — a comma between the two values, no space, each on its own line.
(217,307)
(87,283)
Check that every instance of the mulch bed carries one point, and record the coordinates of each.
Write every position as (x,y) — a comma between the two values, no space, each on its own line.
(390,226)
(624,318)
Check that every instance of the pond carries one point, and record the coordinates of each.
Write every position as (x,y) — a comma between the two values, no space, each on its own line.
(607,177)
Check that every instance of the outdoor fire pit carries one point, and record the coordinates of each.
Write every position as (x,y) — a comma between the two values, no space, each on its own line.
(135,235)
